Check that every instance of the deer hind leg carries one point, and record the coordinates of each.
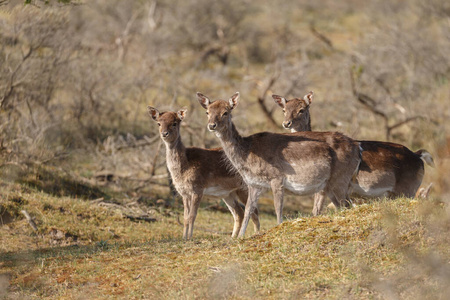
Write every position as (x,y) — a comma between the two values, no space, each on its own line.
(278,194)
(339,186)
(252,202)
(243,195)
(237,212)
(338,189)
(339,197)
(408,184)
(195,203)
(319,199)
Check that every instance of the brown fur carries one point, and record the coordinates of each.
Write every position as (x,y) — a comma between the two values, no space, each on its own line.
(304,163)
(387,169)
(196,172)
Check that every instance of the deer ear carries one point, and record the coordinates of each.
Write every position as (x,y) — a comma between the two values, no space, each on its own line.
(281,101)
(182,113)
(234,100)
(153,112)
(203,100)
(308,98)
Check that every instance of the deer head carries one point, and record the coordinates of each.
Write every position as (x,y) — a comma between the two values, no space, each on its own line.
(296,111)
(219,112)
(168,122)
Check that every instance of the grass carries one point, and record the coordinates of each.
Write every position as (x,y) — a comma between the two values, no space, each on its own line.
(377,250)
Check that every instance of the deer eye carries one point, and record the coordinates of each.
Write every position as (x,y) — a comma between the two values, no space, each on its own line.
(159,124)
(207,113)
(301,111)
(284,111)
(174,124)
(225,114)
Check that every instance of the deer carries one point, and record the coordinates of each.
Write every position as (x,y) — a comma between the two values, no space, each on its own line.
(198,172)
(303,163)
(386,170)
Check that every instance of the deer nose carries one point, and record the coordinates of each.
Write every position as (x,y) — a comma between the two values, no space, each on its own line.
(165,134)
(287,124)
(212,126)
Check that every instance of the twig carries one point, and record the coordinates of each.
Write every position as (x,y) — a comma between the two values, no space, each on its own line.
(404,122)
(148,141)
(369,103)
(142,218)
(30,220)
(320,36)
(153,167)
(97,200)
(262,97)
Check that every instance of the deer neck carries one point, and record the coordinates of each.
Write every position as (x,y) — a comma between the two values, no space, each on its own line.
(233,146)
(304,124)
(176,158)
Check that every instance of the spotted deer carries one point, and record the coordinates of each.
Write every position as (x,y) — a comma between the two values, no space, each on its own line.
(198,172)
(304,163)
(386,169)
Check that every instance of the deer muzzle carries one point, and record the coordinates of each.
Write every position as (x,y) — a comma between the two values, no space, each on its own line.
(287,124)
(212,126)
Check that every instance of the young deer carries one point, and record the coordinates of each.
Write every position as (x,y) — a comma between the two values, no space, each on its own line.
(196,172)
(387,169)
(304,163)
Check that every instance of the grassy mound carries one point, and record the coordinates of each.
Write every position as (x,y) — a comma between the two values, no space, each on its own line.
(377,250)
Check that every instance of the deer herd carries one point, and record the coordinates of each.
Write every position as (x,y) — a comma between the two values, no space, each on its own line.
(302,162)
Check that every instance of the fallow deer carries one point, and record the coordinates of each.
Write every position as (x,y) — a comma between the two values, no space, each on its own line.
(304,162)
(197,172)
(386,169)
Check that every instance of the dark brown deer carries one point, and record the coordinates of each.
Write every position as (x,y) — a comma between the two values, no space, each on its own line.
(304,163)
(197,172)
(387,169)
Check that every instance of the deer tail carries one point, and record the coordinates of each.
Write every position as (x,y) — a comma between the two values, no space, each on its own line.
(426,157)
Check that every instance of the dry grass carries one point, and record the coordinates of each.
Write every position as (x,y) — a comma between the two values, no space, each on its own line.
(382,249)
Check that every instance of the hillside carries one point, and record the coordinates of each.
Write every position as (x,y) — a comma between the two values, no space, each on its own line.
(88,249)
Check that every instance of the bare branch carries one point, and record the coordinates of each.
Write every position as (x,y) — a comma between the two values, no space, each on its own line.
(30,220)
(140,143)
(262,98)
(153,167)
(320,36)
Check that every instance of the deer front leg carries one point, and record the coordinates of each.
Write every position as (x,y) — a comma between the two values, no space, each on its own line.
(278,194)
(250,206)
(236,211)
(243,195)
(195,203)
(255,219)
(186,205)
(319,199)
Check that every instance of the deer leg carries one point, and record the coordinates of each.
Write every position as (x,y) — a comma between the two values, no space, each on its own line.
(319,198)
(255,220)
(339,198)
(253,196)
(243,195)
(186,205)
(278,194)
(195,203)
(236,211)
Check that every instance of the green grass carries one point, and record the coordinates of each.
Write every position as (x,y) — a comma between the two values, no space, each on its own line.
(373,250)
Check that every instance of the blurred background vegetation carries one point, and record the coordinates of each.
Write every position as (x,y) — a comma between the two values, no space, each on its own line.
(76,77)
